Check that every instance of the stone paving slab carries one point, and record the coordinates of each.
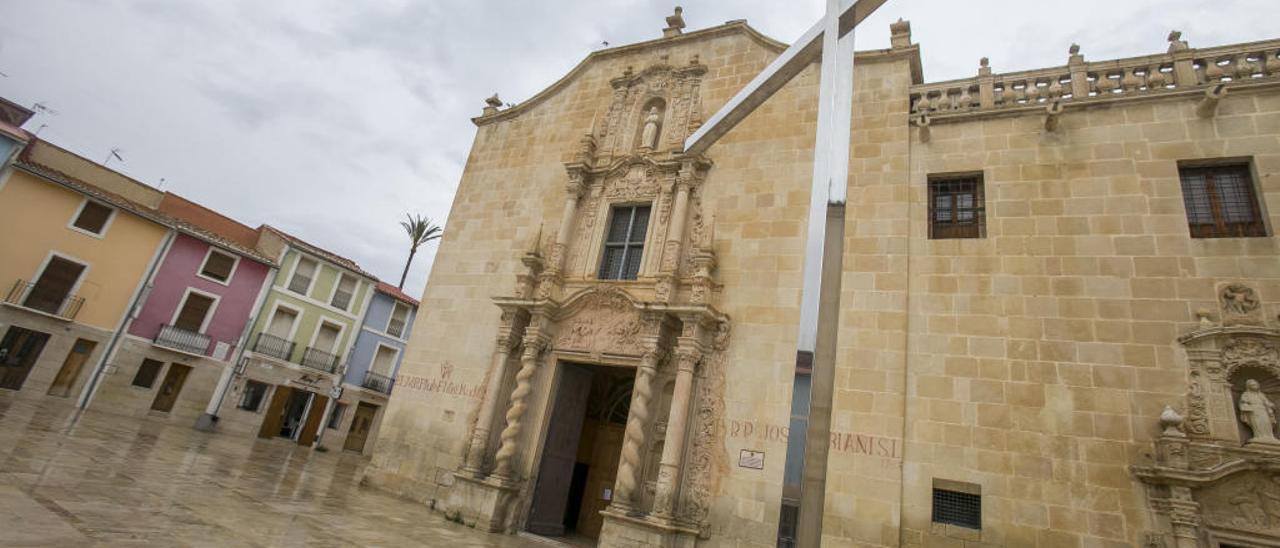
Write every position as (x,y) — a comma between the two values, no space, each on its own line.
(100,479)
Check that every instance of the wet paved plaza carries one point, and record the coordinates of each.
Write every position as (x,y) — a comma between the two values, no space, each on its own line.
(106,480)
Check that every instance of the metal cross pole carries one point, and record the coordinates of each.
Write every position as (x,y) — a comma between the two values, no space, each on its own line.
(804,483)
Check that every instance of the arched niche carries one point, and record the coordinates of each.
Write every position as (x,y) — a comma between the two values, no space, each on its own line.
(649,124)
(1270,386)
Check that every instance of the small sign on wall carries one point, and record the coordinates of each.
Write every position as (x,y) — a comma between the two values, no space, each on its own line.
(220,351)
(751,459)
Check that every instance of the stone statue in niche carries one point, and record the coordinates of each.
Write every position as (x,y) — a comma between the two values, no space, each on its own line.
(649,136)
(1258,413)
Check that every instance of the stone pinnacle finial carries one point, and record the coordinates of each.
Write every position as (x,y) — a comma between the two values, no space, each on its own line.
(900,34)
(492,104)
(1171,422)
(1074,49)
(675,23)
(984,62)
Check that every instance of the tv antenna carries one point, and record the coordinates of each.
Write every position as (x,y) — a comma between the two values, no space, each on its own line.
(115,153)
(42,108)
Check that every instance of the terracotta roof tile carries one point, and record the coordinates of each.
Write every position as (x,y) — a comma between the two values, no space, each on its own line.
(396,293)
(316,250)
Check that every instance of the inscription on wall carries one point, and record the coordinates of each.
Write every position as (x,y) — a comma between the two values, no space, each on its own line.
(440,385)
(844,442)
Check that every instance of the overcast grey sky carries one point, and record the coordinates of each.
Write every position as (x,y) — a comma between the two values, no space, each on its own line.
(332,118)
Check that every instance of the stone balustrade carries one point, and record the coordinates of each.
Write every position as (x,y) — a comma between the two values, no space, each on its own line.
(1180,69)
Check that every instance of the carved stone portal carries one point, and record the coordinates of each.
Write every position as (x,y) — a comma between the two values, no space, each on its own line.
(1216,477)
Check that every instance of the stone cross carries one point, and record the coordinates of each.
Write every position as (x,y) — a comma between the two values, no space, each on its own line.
(804,485)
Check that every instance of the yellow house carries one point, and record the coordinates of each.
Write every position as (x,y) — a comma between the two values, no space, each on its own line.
(75,257)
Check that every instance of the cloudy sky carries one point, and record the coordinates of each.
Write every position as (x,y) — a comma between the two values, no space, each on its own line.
(333,118)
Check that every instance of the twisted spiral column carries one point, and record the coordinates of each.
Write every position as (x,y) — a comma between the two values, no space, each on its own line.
(633,440)
(488,408)
(533,345)
(674,445)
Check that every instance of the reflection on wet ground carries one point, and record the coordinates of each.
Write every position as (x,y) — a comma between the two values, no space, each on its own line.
(107,480)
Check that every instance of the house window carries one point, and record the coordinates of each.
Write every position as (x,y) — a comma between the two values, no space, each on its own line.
(93,217)
(53,288)
(955,208)
(218,266)
(399,319)
(384,360)
(1221,202)
(624,244)
(147,373)
(302,275)
(956,503)
(254,393)
(335,416)
(195,309)
(343,294)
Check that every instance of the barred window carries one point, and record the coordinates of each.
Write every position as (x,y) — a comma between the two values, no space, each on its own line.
(624,243)
(956,208)
(1221,202)
(957,508)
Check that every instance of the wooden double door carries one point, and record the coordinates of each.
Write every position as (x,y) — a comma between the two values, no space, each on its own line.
(580,455)
(295,414)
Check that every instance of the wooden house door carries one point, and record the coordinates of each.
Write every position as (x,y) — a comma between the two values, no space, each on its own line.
(171,387)
(361,423)
(71,367)
(274,416)
(315,416)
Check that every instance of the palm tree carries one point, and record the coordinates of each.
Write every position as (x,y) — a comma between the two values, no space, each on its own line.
(420,230)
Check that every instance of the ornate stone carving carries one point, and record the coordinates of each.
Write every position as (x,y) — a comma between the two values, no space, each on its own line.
(1248,501)
(1250,352)
(1197,408)
(603,321)
(639,183)
(1258,412)
(1240,304)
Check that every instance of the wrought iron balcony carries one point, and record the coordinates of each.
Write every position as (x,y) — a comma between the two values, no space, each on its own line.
(319,359)
(178,338)
(378,383)
(29,295)
(273,346)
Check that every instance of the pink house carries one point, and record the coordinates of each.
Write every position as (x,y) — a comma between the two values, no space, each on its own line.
(201,297)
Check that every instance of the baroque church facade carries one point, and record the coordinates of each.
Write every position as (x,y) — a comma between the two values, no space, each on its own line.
(1059,310)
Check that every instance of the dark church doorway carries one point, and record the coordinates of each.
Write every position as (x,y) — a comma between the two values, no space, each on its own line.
(580,456)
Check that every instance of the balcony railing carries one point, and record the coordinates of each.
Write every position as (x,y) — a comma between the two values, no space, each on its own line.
(319,359)
(273,346)
(378,383)
(395,327)
(178,338)
(29,295)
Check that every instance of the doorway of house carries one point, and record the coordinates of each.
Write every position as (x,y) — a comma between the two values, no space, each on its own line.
(295,410)
(18,353)
(580,455)
(171,387)
(71,367)
(295,414)
(361,423)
